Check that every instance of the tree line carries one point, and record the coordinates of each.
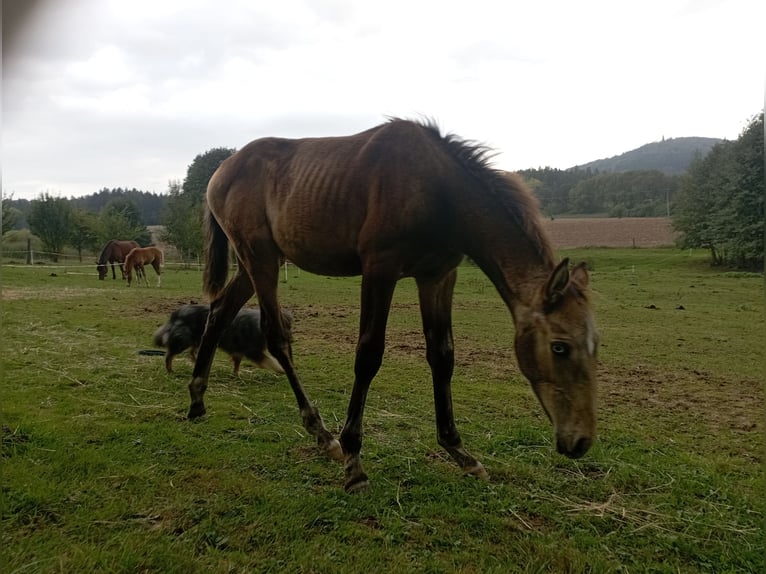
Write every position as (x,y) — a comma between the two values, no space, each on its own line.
(59,223)
(716,205)
(588,192)
(87,223)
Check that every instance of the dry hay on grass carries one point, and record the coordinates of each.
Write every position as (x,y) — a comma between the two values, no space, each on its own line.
(571,233)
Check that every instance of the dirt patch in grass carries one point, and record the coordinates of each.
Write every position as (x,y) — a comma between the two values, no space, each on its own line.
(689,395)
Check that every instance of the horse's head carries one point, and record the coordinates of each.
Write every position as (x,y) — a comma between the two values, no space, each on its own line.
(556,342)
(101,268)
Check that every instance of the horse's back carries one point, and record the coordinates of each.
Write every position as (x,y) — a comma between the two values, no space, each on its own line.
(324,202)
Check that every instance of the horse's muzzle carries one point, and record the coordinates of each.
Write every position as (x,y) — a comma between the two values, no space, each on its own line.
(576,450)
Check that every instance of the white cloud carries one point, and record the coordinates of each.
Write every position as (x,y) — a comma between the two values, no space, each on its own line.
(106,92)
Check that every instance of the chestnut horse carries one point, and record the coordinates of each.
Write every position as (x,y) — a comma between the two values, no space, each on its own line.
(398,200)
(139,257)
(114,250)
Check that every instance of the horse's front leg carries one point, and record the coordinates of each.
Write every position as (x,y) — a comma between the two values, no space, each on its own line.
(222,312)
(376,303)
(436,311)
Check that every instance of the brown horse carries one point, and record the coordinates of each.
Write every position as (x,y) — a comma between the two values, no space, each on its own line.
(139,257)
(398,200)
(114,251)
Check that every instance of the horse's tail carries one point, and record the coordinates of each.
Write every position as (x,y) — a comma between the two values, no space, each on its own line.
(217,258)
(128,261)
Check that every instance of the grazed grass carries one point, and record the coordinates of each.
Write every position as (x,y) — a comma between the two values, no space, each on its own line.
(102,472)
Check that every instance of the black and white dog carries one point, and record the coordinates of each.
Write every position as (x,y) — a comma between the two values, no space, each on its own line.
(242,339)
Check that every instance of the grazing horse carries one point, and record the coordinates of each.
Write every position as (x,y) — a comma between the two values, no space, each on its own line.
(139,257)
(398,200)
(114,250)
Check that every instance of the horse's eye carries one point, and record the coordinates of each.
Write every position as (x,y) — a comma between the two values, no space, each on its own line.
(560,349)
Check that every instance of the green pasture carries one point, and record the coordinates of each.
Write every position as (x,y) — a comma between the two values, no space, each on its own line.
(101,471)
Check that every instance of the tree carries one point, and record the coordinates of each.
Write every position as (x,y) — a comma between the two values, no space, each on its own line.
(11,215)
(744,240)
(50,218)
(720,204)
(183,223)
(84,231)
(121,219)
(201,170)
(183,213)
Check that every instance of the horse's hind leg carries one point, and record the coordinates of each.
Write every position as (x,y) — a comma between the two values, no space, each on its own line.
(222,311)
(436,311)
(265,270)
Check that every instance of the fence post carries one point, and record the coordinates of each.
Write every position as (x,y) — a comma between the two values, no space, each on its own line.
(30,258)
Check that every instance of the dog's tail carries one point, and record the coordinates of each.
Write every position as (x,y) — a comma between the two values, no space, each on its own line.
(161,336)
(217,260)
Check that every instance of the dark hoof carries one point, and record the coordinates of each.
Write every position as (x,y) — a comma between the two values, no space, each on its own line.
(357,485)
(478,471)
(196,410)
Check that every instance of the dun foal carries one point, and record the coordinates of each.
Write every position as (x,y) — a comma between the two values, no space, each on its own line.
(398,200)
(138,258)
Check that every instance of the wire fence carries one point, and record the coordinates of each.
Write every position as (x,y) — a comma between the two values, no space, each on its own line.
(86,264)
(42,259)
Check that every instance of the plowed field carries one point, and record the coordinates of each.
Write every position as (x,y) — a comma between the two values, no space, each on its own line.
(610,232)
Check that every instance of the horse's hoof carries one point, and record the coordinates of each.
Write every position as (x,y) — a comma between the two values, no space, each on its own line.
(334,450)
(357,485)
(196,410)
(478,471)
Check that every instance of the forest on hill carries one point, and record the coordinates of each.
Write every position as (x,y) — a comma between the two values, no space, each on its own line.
(639,183)
(670,156)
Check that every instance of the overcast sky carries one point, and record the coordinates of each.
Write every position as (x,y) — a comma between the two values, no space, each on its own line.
(125,93)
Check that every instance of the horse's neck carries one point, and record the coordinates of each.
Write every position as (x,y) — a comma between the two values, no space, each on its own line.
(515,261)
(105,254)
(516,278)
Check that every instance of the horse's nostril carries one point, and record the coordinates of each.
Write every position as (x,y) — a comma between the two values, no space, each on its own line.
(579,449)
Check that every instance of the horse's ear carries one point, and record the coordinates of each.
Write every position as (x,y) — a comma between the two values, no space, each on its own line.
(557,284)
(579,275)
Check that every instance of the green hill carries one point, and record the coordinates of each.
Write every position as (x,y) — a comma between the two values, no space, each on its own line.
(670,156)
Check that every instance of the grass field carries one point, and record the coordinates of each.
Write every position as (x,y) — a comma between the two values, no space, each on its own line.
(101,471)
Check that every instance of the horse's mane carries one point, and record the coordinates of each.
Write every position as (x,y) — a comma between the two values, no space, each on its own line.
(507,188)
(102,257)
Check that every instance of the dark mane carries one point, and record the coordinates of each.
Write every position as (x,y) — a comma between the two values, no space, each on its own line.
(507,187)
(102,257)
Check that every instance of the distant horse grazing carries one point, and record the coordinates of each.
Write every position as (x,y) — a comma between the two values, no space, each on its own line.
(114,250)
(395,201)
(139,257)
